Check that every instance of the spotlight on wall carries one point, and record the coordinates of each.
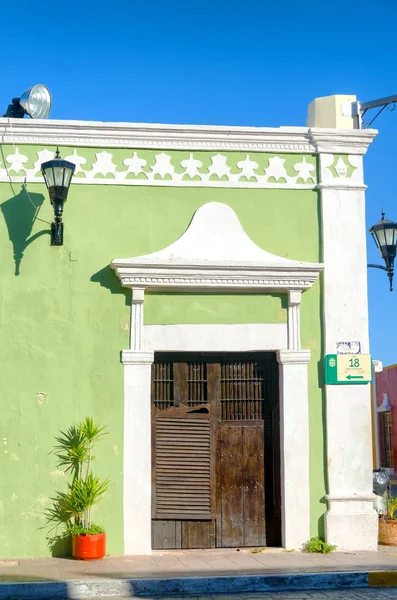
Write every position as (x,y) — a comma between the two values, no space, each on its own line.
(57,175)
(35,102)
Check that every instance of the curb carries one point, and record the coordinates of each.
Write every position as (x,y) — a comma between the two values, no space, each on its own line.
(58,590)
(382,579)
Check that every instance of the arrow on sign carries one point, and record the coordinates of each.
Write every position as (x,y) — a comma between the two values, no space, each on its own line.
(354,377)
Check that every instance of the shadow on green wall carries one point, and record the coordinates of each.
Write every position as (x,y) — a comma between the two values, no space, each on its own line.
(20,213)
(60,545)
(108,279)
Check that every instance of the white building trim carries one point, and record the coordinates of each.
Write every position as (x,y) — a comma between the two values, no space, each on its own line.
(184,137)
(246,337)
(351,522)
(294,441)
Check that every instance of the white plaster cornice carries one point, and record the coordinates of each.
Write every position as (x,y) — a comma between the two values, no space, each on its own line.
(349,498)
(342,141)
(336,185)
(183,137)
(297,357)
(215,253)
(131,357)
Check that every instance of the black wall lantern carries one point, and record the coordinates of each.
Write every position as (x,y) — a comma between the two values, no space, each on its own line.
(57,175)
(384,233)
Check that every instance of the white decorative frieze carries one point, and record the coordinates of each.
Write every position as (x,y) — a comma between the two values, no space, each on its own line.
(341,171)
(123,167)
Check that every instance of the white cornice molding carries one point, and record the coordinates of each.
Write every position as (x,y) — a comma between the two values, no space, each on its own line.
(132,357)
(293,357)
(269,280)
(345,186)
(215,253)
(184,137)
(342,141)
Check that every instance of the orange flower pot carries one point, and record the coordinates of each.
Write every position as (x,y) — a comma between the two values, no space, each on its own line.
(89,547)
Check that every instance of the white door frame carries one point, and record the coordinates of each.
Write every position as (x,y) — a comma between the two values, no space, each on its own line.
(215,254)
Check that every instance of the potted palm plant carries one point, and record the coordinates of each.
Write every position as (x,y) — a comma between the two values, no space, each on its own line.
(74,450)
(388,523)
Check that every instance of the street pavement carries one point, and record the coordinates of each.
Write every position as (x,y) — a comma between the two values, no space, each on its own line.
(357,594)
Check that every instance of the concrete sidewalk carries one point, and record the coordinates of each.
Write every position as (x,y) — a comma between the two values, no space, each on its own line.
(196,563)
(195,572)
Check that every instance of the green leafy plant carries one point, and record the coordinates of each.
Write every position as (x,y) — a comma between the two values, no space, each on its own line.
(80,530)
(391,507)
(74,451)
(316,544)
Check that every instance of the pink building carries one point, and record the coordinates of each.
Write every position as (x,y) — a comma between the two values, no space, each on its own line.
(385,390)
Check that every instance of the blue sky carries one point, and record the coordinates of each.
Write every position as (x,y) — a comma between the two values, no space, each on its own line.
(256,62)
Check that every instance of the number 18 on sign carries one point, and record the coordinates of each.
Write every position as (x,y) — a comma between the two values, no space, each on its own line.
(348,369)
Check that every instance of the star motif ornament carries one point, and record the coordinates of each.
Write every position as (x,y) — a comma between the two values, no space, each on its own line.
(17,161)
(163,165)
(135,164)
(276,168)
(219,166)
(77,160)
(192,166)
(248,167)
(42,157)
(104,164)
(304,170)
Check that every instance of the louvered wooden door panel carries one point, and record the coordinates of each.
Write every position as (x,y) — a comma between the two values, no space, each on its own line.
(183,468)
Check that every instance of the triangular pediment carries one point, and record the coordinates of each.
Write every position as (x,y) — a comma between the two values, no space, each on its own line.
(215,251)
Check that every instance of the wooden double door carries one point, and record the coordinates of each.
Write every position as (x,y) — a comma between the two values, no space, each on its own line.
(215,451)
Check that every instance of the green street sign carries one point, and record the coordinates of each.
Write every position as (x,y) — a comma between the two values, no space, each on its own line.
(347,369)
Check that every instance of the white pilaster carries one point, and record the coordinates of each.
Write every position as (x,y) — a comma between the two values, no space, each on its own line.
(137,452)
(138,295)
(294,322)
(294,442)
(351,522)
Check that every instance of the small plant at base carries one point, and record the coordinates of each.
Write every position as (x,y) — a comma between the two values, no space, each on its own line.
(91,530)
(75,455)
(316,544)
(257,550)
(391,507)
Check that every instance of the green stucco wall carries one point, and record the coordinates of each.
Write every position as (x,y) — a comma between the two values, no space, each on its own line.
(64,319)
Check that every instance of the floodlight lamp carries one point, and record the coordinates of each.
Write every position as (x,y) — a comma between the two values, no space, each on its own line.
(35,102)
